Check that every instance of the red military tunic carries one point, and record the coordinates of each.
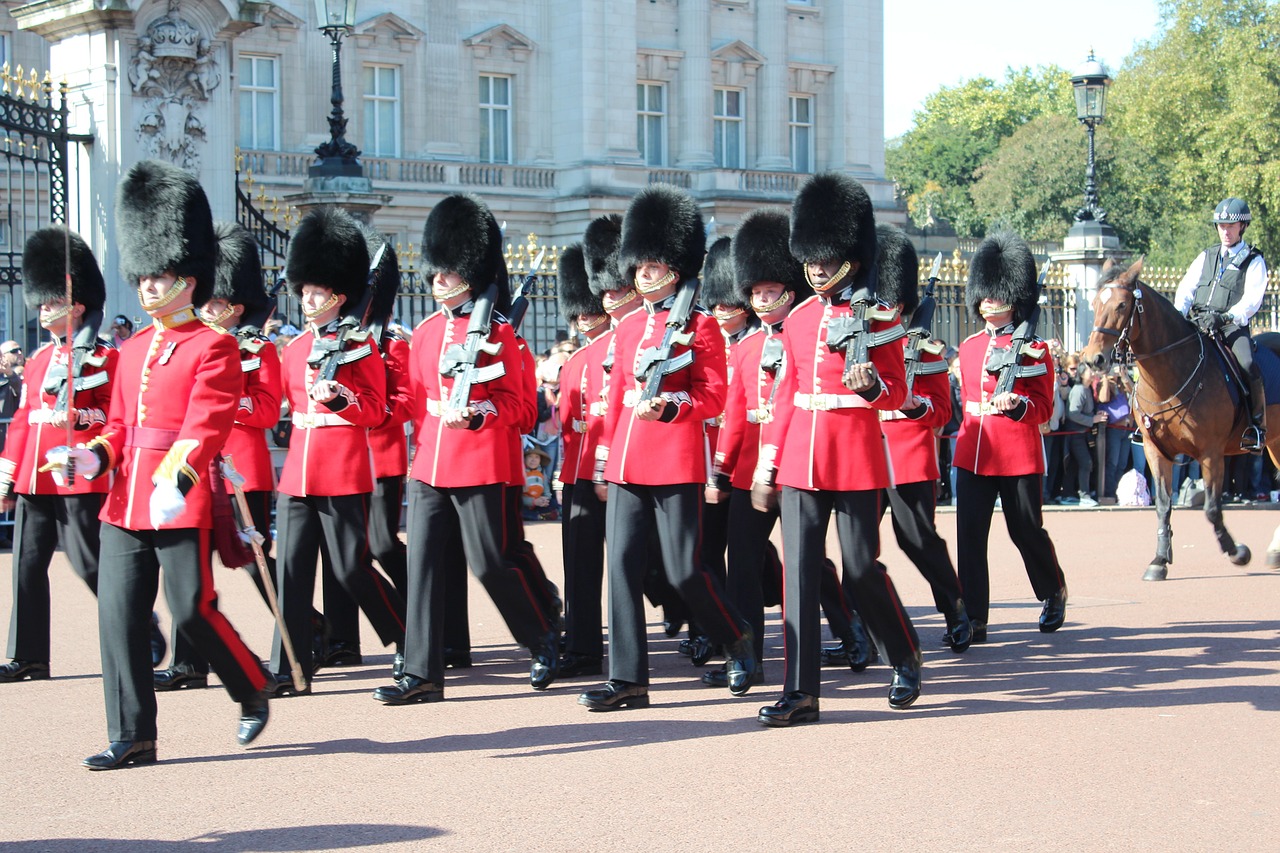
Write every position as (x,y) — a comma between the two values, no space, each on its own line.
(31,434)
(913,443)
(654,453)
(451,458)
(582,387)
(993,444)
(329,451)
(748,406)
(826,437)
(387,441)
(259,411)
(529,391)
(181,386)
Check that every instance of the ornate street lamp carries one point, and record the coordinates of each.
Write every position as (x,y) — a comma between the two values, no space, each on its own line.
(338,157)
(1090,84)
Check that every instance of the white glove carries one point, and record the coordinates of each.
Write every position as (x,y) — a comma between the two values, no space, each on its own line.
(85,461)
(167,503)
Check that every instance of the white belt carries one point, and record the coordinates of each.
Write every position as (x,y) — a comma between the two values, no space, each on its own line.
(892,416)
(630,398)
(41,416)
(825,402)
(579,426)
(762,415)
(598,409)
(313,420)
(973,407)
(437,408)
(714,422)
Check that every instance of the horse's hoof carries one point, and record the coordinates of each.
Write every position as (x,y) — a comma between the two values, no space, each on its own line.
(1273,559)
(1242,556)
(1156,572)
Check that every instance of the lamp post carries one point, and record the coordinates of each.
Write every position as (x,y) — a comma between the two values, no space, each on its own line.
(338,157)
(1090,85)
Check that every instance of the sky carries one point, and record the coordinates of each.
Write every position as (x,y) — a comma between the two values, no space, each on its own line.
(929,44)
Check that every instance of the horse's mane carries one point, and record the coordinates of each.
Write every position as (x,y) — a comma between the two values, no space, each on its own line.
(1111,273)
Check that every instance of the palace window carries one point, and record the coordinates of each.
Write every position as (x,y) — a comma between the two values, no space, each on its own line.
(259,102)
(800,126)
(729,136)
(651,123)
(381,110)
(495,119)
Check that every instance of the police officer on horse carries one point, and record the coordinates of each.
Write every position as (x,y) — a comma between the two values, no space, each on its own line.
(1221,291)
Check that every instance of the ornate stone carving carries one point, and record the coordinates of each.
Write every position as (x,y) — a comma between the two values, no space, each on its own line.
(175,72)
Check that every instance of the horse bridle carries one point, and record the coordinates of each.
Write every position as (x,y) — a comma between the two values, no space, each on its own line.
(1122,334)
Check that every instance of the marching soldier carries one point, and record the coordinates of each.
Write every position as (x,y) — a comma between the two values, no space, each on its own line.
(999,453)
(174,402)
(461,465)
(49,511)
(824,447)
(335,384)
(652,453)
(913,447)
(239,305)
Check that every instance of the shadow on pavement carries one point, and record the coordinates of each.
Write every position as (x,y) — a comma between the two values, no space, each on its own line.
(340,836)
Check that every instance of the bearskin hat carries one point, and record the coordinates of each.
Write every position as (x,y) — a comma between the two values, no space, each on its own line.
(1002,268)
(719,285)
(833,219)
(761,253)
(899,269)
(239,274)
(663,224)
(165,224)
(600,250)
(461,236)
(574,290)
(328,249)
(383,278)
(44,270)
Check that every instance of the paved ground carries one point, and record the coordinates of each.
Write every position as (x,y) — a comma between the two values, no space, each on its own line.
(1144,724)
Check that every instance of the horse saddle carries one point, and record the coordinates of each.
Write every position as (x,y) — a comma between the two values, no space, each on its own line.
(1265,355)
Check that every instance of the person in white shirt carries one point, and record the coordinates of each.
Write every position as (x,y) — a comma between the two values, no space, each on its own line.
(1222,290)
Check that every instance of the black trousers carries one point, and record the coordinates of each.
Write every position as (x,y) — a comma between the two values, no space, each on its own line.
(184,655)
(475,514)
(748,551)
(42,522)
(519,551)
(911,508)
(341,521)
(805,516)
(675,511)
(128,581)
(1020,500)
(582,538)
(715,537)
(340,609)
(1078,450)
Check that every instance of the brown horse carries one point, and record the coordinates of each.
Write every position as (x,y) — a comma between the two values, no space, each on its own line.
(1182,402)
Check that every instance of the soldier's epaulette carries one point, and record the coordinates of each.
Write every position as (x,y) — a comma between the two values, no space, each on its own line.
(976,334)
(752,331)
(42,348)
(424,320)
(359,336)
(698,309)
(805,301)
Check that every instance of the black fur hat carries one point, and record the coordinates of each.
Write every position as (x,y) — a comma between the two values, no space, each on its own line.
(328,249)
(239,274)
(1002,268)
(719,285)
(600,246)
(761,253)
(44,270)
(165,224)
(384,278)
(574,292)
(899,269)
(461,236)
(833,219)
(663,224)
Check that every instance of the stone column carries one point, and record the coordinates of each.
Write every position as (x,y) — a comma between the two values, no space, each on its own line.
(447,83)
(773,84)
(1088,246)
(695,85)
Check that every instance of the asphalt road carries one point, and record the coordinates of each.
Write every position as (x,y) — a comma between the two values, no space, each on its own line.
(1144,724)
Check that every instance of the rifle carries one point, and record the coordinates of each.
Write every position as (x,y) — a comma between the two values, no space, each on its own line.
(520,299)
(655,363)
(920,334)
(1005,362)
(853,333)
(330,355)
(461,361)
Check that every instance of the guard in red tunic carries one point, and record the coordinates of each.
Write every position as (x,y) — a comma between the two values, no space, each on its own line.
(913,446)
(462,462)
(999,452)
(178,386)
(49,511)
(240,305)
(653,450)
(824,445)
(335,384)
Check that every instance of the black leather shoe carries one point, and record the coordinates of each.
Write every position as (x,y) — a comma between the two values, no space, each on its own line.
(793,708)
(457,659)
(862,653)
(342,653)
(253,717)
(905,687)
(546,662)
(837,655)
(959,632)
(409,690)
(978,631)
(122,753)
(720,677)
(397,666)
(672,627)
(159,645)
(178,679)
(24,670)
(701,650)
(741,664)
(572,665)
(280,685)
(556,616)
(1055,612)
(615,695)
